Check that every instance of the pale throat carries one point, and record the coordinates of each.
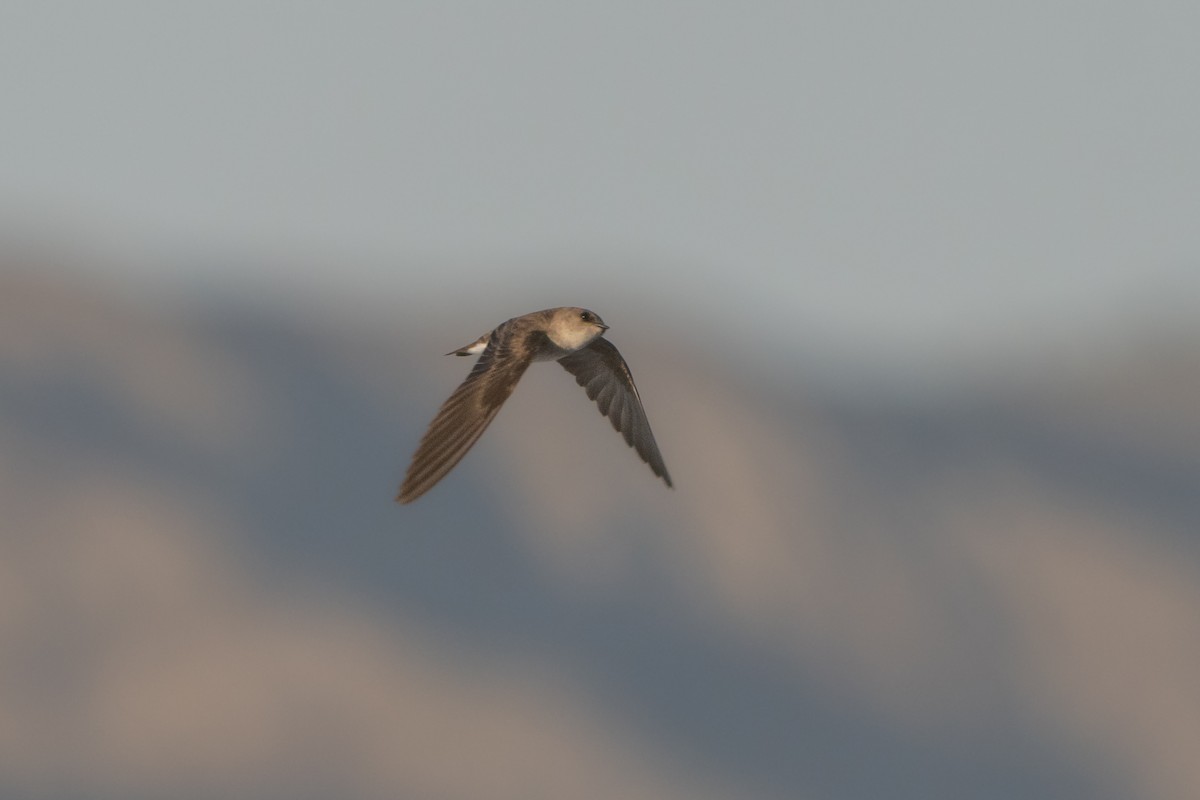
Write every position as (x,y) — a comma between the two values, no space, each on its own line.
(572,337)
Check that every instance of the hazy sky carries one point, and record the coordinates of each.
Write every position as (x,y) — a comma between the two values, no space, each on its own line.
(891,175)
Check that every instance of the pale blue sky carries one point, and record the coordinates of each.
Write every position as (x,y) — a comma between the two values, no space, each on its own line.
(897,177)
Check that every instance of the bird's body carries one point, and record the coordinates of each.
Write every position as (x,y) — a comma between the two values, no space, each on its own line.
(571,336)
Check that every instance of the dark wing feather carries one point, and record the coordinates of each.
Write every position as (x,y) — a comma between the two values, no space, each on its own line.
(605,376)
(465,415)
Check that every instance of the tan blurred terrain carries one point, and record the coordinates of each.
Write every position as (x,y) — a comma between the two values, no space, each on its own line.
(206,591)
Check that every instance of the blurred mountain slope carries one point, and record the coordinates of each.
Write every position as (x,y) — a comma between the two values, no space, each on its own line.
(208,591)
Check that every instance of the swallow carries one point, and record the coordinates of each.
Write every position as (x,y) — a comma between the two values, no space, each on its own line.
(571,336)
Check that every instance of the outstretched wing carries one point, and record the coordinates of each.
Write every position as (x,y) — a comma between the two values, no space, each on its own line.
(465,415)
(605,376)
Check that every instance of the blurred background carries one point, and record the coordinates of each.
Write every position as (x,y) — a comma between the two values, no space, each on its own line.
(911,295)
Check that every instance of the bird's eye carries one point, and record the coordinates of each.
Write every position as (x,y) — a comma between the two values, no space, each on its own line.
(586,316)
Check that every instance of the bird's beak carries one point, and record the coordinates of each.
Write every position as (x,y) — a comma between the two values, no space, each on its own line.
(602,326)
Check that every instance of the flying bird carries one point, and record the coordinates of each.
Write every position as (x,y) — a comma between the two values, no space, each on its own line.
(571,336)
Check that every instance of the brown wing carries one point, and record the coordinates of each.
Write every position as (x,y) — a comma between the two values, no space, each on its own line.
(605,376)
(465,415)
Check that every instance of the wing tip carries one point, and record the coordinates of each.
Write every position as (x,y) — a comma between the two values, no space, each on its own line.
(666,478)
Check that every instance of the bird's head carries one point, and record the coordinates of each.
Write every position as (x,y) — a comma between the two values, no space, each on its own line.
(572,328)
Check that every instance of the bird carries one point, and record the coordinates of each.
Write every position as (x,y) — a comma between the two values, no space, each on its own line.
(572,336)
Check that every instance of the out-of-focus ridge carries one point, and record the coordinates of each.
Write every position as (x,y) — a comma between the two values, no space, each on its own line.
(205,589)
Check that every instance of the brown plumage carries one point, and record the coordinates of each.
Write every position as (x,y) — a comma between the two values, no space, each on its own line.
(572,336)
